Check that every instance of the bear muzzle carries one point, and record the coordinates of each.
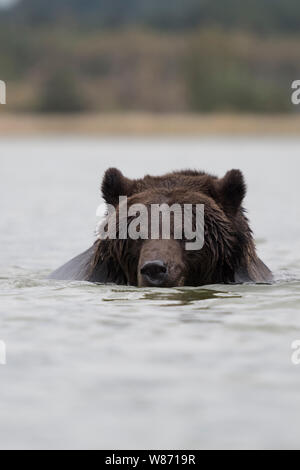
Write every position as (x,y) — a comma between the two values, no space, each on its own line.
(161,264)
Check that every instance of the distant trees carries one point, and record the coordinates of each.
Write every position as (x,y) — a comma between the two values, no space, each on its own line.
(256,15)
(233,72)
(61,93)
(198,55)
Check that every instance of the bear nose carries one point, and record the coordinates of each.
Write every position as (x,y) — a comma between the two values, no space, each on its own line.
(154,272)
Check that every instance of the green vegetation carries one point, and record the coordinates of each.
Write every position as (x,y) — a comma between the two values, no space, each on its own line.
(156,55)
(61,93)
(237,72)
(255,15)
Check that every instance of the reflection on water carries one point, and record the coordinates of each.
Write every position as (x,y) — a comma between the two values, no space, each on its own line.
(187,296)
(93,366)
(178,296)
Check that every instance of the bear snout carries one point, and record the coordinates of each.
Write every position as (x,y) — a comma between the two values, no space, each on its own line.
(161,264)
(154,273)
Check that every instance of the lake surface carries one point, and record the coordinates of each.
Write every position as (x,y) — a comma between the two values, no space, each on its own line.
(118,367)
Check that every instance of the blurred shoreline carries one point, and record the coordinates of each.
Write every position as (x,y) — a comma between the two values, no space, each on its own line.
(148,124)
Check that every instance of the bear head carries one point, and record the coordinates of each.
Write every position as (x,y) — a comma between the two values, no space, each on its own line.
(228,247)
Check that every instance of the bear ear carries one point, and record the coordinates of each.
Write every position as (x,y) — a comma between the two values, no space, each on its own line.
(232,191)
(114,185)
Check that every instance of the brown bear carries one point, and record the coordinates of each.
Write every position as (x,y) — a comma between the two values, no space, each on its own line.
(228,254)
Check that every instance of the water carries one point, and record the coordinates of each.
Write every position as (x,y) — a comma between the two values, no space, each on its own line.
(117,367)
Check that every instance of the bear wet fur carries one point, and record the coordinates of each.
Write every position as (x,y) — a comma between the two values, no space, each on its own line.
(228,255)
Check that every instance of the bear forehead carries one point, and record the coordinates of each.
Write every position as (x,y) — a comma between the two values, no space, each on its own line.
(181,182)
(172,195)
